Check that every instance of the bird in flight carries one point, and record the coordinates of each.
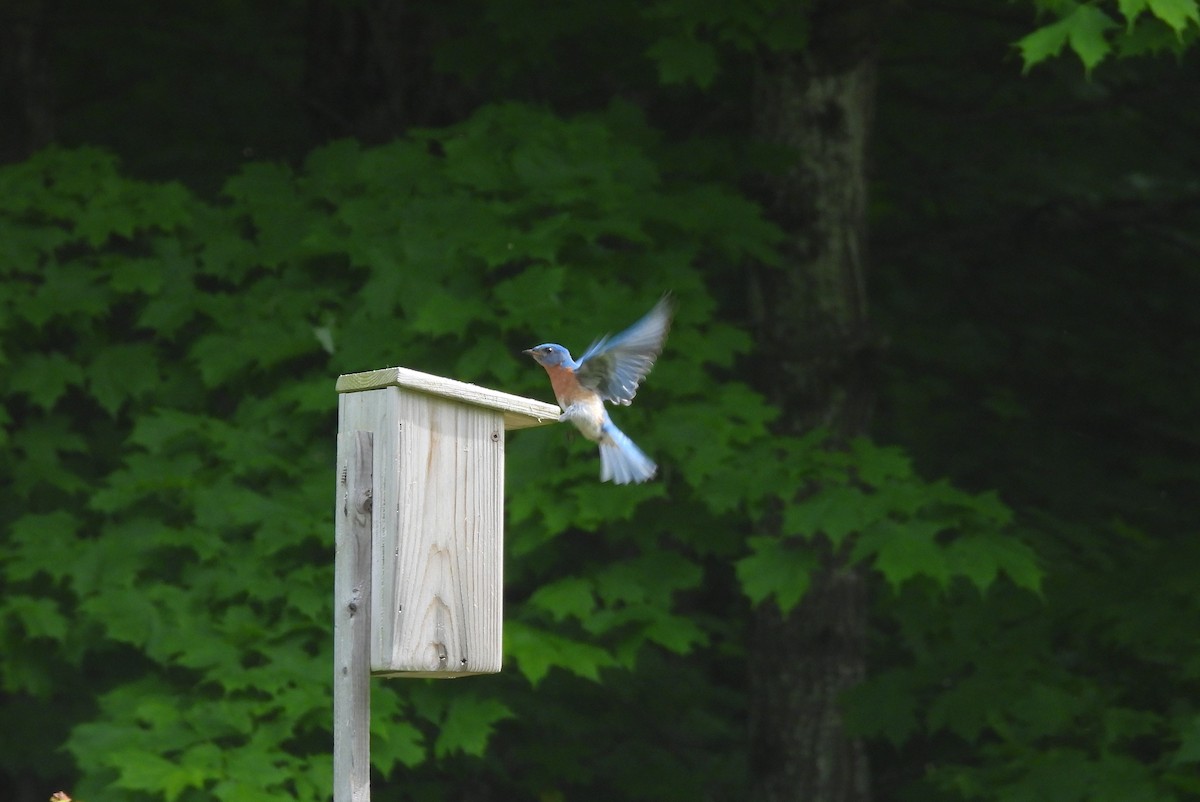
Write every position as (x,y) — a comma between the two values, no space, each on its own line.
(609,370)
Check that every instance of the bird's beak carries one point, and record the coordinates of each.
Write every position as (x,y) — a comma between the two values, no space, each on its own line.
(528,351)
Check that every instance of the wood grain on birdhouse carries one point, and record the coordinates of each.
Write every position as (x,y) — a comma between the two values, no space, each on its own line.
(438,517)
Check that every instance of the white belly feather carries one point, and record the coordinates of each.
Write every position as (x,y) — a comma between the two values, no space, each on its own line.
(588,416)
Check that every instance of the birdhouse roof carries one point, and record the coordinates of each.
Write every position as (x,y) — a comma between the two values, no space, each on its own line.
(519,412)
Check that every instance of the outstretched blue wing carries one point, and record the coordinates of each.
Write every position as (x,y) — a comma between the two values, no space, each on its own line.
(615,366)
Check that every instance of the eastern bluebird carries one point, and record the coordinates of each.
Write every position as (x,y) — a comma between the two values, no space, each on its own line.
(610,370)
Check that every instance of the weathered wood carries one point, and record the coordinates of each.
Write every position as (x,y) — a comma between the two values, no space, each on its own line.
(519,412)
(437,553)
(351,618)
(442,566)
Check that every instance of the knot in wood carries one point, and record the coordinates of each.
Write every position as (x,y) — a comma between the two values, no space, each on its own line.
(364,500)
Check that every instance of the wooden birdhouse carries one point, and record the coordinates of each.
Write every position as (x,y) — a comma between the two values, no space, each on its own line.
(434,502)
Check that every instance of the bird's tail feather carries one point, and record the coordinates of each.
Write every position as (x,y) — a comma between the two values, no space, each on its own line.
(621,461)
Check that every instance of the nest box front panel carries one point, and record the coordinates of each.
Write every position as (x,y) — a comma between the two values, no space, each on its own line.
(437,554)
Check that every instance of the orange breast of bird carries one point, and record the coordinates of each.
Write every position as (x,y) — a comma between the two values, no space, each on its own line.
(565,384)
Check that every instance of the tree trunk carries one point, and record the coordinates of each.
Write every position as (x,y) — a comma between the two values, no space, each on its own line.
(816,338)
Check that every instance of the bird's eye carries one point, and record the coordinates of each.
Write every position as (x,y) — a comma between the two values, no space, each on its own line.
(547,349)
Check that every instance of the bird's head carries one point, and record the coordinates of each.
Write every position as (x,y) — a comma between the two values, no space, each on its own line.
(549,355)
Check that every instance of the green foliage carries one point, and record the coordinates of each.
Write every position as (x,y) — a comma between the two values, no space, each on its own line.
(775,569)
(468,724)
(1070,693)
(904,527)
(689,49)
(171,409)
(174,419)
(1094,29)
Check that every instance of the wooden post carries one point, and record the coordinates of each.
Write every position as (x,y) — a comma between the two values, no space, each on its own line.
(419,531)
(351,625)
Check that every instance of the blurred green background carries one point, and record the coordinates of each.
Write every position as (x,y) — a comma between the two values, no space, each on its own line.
(208,211)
